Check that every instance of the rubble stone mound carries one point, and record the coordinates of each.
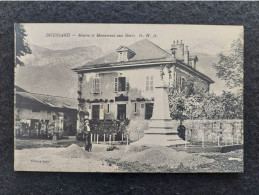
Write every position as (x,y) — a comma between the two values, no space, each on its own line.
(73,151)
(164,156)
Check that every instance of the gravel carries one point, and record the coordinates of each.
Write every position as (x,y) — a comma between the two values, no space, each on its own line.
(74,151)
(165,157)
(155,159)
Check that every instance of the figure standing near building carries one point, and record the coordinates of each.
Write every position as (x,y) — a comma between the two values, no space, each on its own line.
(87,134)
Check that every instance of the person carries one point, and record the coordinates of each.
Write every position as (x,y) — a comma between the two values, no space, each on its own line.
(87,135)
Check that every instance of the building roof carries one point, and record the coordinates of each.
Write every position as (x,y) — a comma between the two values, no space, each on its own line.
(146,53)
(51,101)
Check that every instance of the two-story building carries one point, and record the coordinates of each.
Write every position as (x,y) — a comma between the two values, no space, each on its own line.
(121,84)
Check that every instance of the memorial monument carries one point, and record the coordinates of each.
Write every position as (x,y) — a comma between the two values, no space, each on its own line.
(161,131)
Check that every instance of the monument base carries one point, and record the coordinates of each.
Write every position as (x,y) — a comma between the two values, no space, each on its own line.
(160,133)
(159,140)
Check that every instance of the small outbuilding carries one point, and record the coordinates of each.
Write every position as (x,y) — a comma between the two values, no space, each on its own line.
(44,116)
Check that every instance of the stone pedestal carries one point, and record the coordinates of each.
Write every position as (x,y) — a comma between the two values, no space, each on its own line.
(161,131)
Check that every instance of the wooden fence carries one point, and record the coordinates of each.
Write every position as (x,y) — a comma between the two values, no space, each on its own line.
(108,139)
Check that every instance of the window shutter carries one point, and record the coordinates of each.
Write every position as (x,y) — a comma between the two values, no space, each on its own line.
(147,82)
(93,85)
(135,107)
(116,84)
(151,83)
(97,85)
(127,83)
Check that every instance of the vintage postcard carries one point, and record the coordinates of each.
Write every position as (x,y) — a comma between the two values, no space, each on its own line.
(128,98)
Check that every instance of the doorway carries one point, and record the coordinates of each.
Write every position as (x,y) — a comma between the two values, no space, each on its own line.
(149,110)
(121,112)
(95,111)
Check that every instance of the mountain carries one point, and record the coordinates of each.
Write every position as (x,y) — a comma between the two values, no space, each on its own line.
(204,65)
(73,57)
(49,71)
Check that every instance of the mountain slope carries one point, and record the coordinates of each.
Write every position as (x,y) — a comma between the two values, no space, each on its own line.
(204,65)
(49,71)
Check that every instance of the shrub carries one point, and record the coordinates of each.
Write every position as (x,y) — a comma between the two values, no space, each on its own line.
(136,128)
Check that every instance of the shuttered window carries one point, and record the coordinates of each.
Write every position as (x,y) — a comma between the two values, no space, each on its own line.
(116,84)
(96,85)
(121,84)
(149,83)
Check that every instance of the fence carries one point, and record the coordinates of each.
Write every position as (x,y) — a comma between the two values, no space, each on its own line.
(217,132)
(109,138)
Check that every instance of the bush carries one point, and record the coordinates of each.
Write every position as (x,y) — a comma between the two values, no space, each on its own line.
(136,128)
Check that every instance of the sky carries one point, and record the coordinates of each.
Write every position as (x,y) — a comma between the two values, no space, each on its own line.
(199,38)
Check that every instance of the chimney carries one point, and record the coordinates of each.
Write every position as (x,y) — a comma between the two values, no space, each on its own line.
(195,59)
(186,55)
(177,49)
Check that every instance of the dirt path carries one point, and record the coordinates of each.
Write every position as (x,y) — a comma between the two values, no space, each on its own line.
(70,159)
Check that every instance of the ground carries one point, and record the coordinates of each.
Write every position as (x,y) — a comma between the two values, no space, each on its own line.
(69,155)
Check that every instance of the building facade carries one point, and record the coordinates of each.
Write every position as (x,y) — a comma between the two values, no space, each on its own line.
(42,116)
(122,84)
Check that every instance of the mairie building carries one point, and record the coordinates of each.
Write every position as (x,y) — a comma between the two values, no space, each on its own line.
(122,84)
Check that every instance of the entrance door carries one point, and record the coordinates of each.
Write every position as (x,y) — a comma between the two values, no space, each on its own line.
(95,111)
(149,110)
(34,128)
(121,112)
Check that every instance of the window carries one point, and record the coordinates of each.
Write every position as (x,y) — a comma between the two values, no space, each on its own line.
(108,108)
(121,84)
(96,85)
(183,83)
(123,56)
(149,83)
(135,107)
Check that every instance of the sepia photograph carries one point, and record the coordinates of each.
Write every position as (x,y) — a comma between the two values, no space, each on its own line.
(132,98)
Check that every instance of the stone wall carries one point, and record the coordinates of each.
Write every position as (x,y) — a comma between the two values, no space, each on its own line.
(214,131)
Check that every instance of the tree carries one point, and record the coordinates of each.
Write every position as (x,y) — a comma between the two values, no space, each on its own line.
(22,48)
(230,66)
